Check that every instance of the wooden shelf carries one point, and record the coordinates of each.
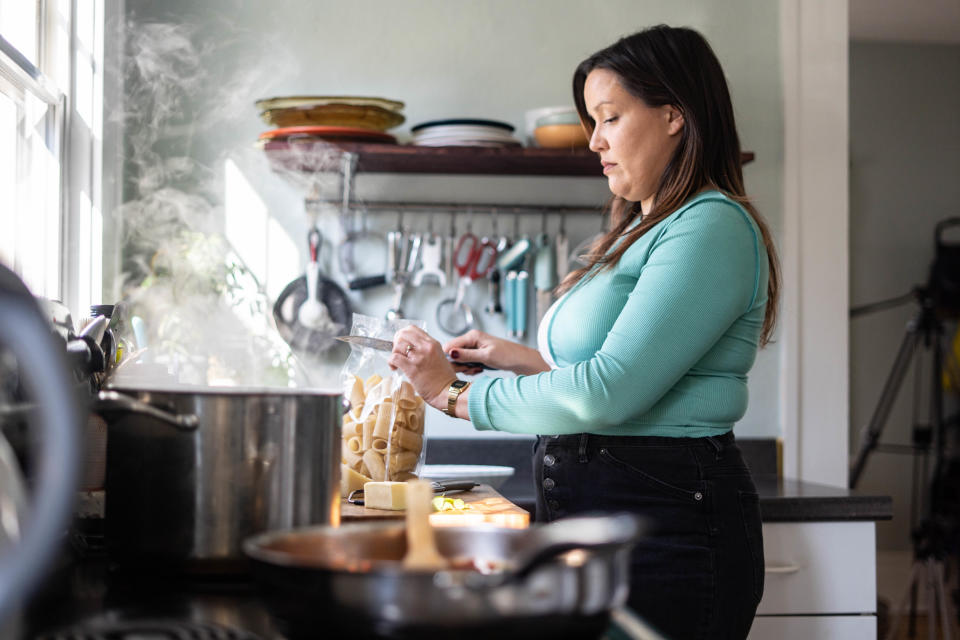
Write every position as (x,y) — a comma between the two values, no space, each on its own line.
(312,157)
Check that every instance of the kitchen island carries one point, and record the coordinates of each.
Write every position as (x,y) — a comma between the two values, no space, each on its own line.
(85,592)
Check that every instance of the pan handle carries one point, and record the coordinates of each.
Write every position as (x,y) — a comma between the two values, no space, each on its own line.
(113,402)
(589,533)
(366,282)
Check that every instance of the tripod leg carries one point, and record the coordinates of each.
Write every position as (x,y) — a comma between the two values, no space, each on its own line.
(914,586)
(933,599)
(909,592)
(871,433)
(946,613)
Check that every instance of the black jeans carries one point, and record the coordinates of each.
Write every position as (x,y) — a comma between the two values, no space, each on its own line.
(698,571)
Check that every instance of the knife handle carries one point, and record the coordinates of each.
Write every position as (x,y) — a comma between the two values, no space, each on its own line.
(474,365)
(454,485)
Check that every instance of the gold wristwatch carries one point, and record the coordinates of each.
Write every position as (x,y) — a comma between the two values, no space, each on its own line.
(456,388)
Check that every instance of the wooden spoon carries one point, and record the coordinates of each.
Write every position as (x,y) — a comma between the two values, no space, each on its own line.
(422,551)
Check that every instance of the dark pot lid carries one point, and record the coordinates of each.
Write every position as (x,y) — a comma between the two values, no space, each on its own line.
(464,121)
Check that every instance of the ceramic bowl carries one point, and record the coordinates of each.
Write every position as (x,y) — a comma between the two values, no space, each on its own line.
(560,136)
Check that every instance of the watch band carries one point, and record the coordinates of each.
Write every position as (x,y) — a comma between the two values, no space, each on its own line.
(456,388)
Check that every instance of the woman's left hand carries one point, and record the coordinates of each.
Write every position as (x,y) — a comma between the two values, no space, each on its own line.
(422,360)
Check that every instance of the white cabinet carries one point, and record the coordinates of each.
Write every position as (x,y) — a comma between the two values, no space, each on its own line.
(820,581)
(814,627)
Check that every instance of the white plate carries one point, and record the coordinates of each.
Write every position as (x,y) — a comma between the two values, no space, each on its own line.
(460,128)
(484,474)
(460,142)
(476,138)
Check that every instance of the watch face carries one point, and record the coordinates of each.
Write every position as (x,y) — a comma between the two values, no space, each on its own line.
(459,384)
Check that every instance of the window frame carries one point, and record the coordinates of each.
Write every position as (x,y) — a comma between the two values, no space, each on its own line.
(25,80)
(84,265)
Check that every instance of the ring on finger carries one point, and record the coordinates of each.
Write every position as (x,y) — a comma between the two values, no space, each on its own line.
(408,350)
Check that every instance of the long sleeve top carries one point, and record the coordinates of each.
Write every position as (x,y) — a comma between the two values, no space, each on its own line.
(658,345)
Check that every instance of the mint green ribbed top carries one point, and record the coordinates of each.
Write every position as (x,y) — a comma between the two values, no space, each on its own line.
(659,345)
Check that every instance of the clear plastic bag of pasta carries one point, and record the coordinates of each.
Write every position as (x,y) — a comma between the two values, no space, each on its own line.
(383,435)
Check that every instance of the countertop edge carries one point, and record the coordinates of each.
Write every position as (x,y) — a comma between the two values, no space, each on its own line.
(806,509)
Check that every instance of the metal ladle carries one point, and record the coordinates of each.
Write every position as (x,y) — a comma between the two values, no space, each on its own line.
(453,316)
(473,259)
(313,314)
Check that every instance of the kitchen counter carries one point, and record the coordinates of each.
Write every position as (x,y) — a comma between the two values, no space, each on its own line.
(786,500)
(781,500)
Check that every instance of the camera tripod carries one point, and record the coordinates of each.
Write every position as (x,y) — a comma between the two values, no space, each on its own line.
(931,535)
(928,569)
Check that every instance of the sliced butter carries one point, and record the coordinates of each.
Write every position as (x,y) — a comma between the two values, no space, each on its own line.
(385,495)
(350,480)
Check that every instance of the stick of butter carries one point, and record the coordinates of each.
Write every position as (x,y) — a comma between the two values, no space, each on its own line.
(350,481)
(385,495)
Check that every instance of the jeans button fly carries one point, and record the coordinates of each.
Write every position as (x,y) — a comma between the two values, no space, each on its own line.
(548,484)
(549,460)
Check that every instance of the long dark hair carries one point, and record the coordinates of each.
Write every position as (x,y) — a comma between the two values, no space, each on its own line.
(675,66)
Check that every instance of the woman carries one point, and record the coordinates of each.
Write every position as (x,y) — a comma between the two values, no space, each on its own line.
(641,371)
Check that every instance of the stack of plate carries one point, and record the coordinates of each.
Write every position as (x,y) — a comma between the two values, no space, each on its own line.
(333,134)
(340,118)
(463,132)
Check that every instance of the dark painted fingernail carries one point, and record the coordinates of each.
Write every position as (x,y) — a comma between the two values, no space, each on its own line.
(454,354)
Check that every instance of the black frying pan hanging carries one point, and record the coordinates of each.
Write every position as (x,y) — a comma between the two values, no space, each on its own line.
(336,322)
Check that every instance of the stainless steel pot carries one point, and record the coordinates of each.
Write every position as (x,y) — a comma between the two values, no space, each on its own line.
(559,580)
(190,474)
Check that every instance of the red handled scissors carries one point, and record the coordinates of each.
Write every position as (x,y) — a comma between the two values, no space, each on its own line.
(474,258)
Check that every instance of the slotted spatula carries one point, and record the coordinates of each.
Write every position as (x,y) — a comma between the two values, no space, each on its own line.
(422,554)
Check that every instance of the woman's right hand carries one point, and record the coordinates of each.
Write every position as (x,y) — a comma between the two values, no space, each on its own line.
(497,353)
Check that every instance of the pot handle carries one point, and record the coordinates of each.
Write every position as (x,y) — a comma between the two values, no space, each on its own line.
(596,532)
(113,402)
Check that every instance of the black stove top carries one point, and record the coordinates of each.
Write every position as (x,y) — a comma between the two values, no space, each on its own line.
(87,598)
(162,629)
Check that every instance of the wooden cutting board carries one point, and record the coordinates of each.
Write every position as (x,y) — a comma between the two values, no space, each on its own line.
(486,506)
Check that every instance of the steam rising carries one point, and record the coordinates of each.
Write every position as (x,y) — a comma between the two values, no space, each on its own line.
(205,317)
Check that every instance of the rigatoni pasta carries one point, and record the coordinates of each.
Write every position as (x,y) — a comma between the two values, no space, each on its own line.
(383,432)
(373,461)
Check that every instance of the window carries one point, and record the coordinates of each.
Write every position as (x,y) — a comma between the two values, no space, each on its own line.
(20,26)
(31,144)
(50,89)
